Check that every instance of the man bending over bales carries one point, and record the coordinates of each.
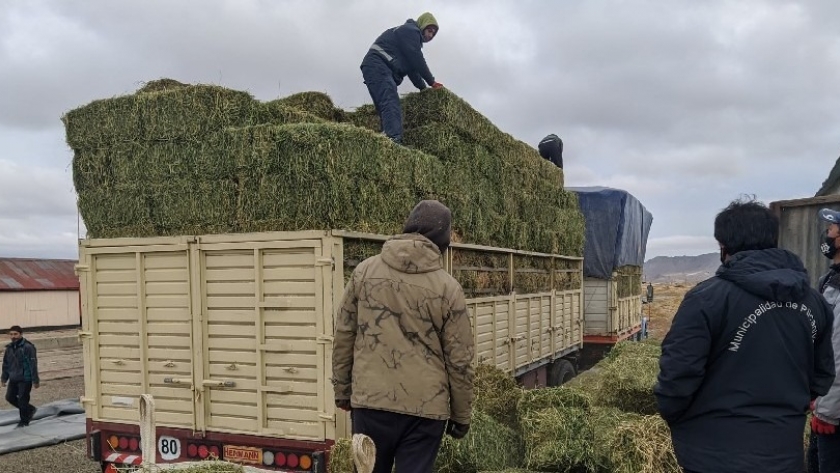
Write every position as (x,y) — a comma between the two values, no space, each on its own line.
(403,350)
(748,350)
(396,53)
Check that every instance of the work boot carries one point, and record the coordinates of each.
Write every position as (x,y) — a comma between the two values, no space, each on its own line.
(20,424)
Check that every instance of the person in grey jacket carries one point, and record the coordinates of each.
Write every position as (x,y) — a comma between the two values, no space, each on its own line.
(20,374)
(824,449)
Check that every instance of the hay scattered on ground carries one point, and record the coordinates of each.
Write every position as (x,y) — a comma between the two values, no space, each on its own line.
(489,445)
(642,445)
(626,349)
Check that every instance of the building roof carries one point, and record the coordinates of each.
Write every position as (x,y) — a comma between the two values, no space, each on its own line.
(831,181)
(25,274)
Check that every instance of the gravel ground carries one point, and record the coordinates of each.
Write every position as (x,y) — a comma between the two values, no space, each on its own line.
(68,457)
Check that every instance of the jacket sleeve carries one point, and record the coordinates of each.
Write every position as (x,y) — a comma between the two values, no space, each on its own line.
(346,324)
(827,357)
(5,376)
(32,353)
(685,351)
(417,80)
(411,45)
(459,350)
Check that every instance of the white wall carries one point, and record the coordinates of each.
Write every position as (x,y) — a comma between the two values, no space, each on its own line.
(31,309)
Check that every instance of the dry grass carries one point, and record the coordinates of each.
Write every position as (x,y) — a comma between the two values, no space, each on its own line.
(666,301)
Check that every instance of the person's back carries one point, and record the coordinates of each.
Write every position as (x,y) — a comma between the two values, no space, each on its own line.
(747,351)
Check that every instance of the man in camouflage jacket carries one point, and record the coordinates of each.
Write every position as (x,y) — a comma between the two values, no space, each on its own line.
(403,351)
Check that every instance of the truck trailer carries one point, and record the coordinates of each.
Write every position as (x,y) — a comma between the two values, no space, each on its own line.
(232,336)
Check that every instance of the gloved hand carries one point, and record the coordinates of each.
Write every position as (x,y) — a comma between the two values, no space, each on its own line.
(437,85)
(343,404)
(822,427)
(456,430)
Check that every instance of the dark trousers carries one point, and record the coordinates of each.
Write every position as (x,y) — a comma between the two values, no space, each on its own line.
(413,442)
(17,394)
(824,453)
(383,90)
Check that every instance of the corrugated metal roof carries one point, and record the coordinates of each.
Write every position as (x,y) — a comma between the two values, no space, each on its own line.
(24,274)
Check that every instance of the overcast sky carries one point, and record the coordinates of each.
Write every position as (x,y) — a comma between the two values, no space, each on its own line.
(685,104)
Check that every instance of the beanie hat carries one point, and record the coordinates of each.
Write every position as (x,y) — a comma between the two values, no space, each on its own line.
(433,220)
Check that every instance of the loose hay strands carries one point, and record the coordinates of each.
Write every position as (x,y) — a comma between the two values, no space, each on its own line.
(341,456)
(489,445)
(497,394)
(630,349)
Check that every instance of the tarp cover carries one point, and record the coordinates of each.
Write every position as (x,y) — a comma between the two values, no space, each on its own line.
(54,423)
(617,229)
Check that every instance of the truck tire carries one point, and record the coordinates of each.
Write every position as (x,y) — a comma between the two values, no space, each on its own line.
(560,372)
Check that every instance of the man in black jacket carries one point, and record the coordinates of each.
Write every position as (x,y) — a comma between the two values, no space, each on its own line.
(20,372)
(748,350)
(396,53)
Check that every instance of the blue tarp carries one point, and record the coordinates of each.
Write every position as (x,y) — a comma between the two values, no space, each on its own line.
(617,229)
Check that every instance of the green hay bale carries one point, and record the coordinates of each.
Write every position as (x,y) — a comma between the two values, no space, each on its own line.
(366,117)
(631,349)
(356,251)
(642,445)
(193,207)
(497,394)
(278,112)
(535,400)
(106,211)
(557,439)
(161,85)
(318,104)
(627,384)
(193,112)
(341,457)
(489,445)
(104,122)
(305,176)
(481,274)
(629,281)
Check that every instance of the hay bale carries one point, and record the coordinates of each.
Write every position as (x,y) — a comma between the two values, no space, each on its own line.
(318,104)
(365,116)
(629,281)
(489,445)
(557,439)
(631,349)
(497,394)
(278,112)
(341,457)
(642,445)
(161,85)
(332,176)
(627,383)
(104,122)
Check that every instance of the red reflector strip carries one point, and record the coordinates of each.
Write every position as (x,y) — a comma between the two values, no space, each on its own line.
(124,458)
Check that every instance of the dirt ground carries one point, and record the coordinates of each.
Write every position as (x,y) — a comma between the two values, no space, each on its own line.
(666,301)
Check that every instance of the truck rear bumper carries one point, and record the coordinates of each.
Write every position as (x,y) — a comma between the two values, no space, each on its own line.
(115,443)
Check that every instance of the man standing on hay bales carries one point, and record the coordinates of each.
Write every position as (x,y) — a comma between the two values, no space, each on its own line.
(396,53)
(824,448)
(748,350)
(403,350)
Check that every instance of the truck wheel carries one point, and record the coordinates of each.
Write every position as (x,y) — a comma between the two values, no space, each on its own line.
(560,372)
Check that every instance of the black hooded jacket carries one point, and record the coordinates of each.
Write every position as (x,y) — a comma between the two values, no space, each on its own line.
(747,351)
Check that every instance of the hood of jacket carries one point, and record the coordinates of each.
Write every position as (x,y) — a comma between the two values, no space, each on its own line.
(774,274)
(411,253)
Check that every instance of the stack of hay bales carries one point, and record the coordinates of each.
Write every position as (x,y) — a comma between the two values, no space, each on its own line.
(175,159)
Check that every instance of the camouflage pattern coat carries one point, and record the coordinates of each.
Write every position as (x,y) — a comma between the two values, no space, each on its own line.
(403,340)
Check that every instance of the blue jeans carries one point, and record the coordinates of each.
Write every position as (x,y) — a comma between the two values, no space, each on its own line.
(824,453)
(383,90)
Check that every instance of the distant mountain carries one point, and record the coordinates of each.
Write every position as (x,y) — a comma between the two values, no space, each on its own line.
(688,269)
